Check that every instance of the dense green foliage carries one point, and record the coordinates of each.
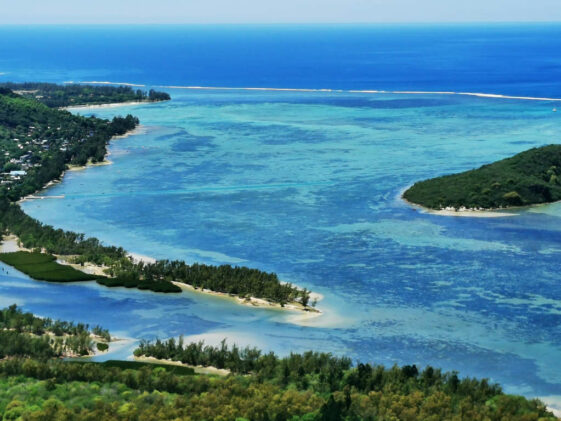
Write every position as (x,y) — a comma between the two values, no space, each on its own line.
(531,177)
(263,387)
(239,281)
(48,390)
(41,141)
(43,267)
(77,94)
(328,369)
(23,334)
(129,280)
(33,234)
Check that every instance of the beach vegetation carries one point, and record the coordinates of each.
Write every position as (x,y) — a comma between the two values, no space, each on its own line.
(25,335)
(43,267)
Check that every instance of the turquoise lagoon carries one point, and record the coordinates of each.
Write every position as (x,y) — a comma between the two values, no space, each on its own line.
(308,185)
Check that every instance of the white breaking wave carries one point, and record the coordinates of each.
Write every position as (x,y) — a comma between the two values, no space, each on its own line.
(96,82)
(354,91)
(225,88)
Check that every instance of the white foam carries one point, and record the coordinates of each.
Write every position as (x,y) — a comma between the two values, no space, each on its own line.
(326,90)
(226,88)
(104,82)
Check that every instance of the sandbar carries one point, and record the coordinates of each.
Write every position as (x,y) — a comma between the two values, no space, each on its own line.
(199,369)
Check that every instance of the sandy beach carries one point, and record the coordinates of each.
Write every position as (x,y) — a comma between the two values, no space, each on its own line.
(258,302)
(140,129)
(110,105)
(469,213)
(137,258)
(89,164)
(462,212)
(10,244)
(198,369)
(553,404)
(87,267)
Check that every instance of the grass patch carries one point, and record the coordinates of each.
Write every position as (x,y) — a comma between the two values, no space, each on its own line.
(43,267)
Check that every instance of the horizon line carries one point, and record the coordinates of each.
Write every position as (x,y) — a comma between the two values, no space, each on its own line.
(327,23)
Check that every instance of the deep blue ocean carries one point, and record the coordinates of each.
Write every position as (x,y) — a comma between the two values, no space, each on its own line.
(308,184)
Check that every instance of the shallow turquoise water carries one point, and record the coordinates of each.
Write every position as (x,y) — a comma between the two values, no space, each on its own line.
(308,185)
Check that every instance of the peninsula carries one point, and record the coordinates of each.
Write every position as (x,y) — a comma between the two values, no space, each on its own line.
(528,178)
(39,142)
(71,95)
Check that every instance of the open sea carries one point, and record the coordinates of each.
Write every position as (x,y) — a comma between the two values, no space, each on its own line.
(307,183)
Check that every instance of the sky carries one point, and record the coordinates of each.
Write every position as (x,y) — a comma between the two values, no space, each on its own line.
(274,11)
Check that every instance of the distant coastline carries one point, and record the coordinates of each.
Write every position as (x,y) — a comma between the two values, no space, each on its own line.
(106,105)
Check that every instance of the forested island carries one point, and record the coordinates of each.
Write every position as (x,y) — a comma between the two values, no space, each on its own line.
(70,95)
(528,178)
(39,142)
(37,385)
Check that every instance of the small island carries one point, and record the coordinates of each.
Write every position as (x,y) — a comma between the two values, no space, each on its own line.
(528,178)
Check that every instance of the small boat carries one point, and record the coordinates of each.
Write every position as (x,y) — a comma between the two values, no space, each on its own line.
(555,110)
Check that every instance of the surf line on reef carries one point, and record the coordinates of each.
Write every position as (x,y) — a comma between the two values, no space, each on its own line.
(324,90)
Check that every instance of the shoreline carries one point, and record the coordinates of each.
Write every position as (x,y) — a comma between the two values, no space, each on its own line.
(139,129)
(306,312)
(199,369)
(258,302)
(10,244)
(107,105)
(462,212)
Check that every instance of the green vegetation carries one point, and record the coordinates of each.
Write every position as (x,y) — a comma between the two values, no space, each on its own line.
(43,267)
(102,346)
(296,391)
(531,177)
(239,281)
(249,360)
(39,142)
(33,234)
(67,95)
(262,387)
(24,335)
(127,280)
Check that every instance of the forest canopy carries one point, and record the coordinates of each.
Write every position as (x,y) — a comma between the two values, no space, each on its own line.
(262,386)
(528,178)
(67,95)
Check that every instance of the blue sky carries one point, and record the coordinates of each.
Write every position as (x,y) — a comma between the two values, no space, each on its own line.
(275,11)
